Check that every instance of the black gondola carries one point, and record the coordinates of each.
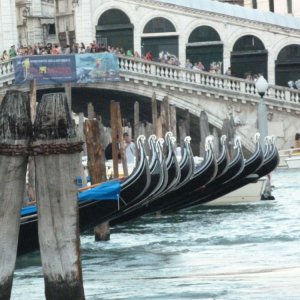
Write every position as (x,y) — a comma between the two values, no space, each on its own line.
(234,168)
(201,176)
(92,213)
(258,165)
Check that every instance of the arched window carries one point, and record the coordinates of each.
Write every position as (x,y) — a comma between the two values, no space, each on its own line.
(204,34)
(289,53)
(205,46)
(113,17)
(159,25)
(157,44)
(114,29)
(249,58)
(288,65)
(248,43)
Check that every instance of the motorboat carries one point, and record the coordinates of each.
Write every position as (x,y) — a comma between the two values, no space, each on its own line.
(293,162)
(289,158)
(249,193)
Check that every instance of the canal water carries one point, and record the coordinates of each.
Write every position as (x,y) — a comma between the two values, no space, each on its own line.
(249,251)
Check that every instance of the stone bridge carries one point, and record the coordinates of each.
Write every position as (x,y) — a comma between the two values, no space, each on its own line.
(218,95)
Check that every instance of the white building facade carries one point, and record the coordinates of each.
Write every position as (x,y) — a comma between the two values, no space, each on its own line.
(291,7)
(8,27)
(240,38)
(245,39)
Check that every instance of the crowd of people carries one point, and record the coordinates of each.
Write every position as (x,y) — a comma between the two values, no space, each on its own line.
(54,49)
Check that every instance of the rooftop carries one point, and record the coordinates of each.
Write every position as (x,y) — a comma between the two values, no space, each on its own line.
(239,12)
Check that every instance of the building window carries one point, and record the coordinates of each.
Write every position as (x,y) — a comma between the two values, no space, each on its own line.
(159,25)
(271,5)
(113,17)
(51,29)
(254,4)
(289,7)
(204,34)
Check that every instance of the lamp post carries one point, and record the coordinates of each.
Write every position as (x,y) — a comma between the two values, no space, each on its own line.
(262,85)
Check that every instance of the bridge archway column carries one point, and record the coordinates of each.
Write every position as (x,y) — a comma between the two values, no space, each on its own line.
(137,42)
(226,58)
(182,50)
(271,67)
(85,29)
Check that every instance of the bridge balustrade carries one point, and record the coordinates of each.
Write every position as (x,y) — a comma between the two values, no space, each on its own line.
(169,73)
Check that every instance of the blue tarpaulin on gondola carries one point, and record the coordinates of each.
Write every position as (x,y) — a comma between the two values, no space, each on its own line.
(28,210)
(106,191)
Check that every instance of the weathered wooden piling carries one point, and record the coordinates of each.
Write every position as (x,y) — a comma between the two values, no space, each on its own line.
(57,158)
(96,167)
(204,131)
(15,132)
(184,127)
(120,139)
(228,130)
(216,142)
(154,113)
(114,138)
(91,111)
(68,92)
(165,115)
(95,151)
(173,120)
(136,119)
(31,165)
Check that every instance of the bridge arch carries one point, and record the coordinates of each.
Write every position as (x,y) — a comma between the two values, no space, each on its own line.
(159,34)
(205,45)
(115,28)
(287,65)
(249,57)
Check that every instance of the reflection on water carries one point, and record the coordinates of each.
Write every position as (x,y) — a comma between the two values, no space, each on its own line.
(246,251)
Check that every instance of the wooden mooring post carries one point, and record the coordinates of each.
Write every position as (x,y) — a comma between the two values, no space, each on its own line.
(15,132)
(154,113)
(96,166)
(204,131)
(228,130)
(165,115)
(56,150)
(184,127)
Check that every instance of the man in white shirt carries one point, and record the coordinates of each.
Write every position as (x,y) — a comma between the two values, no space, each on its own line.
(130,149)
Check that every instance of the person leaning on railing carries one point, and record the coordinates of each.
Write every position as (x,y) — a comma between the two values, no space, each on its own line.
(5,56)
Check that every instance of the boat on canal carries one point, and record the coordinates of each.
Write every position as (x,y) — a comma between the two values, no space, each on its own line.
(161,183)
(95,204)
(249,193)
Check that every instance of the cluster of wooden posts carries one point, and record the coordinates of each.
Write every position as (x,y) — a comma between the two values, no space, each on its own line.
(47,139)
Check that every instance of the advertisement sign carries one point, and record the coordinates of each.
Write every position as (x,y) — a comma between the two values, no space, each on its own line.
(97,67)
(45,69)
(55,69)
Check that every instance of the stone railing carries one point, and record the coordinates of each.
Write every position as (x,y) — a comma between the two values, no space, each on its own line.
(6,73)
(281,96)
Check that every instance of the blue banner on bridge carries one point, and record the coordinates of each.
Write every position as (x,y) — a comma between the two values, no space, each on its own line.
(45,69)
(54,69)
(97,67)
